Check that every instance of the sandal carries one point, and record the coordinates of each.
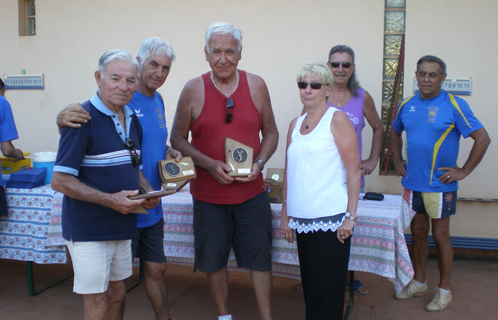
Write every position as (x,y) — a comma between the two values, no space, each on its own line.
(356,286)
(298,288)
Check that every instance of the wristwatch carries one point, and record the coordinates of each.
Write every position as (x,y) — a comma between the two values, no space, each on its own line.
(348,215)
(261,163)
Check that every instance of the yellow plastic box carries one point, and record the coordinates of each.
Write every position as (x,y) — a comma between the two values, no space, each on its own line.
(9,166)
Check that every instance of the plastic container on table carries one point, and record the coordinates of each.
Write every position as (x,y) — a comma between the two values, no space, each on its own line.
(45,159)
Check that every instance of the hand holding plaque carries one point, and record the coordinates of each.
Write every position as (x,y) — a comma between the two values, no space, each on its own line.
(175,175)
(152,194)
(238,157)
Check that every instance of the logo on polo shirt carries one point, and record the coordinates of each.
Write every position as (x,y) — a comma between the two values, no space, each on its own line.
(137,112)
(412,109)
(160,118)
(432,114)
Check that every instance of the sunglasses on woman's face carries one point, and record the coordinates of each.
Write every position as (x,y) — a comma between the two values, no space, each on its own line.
(313,85)
(336,64)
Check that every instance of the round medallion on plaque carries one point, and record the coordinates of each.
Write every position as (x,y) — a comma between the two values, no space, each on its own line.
(275,177)
(172,169)
(239,155)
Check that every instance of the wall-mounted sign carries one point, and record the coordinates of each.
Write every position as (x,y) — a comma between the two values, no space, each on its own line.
(24,81)
(462,86)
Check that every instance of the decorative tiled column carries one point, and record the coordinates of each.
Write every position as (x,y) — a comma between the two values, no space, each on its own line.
(394,30)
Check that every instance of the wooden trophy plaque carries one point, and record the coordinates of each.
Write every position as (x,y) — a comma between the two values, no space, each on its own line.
(273,181)
(175,175)
(238,157)
(275,174)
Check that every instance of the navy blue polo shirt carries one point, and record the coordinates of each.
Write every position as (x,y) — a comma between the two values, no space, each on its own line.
(96,155)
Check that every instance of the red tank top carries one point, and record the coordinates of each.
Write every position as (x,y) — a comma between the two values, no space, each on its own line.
(208,136)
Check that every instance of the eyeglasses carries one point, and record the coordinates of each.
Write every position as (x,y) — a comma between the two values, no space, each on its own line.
(229,115)
(313,85)
(336,64)
(133,152)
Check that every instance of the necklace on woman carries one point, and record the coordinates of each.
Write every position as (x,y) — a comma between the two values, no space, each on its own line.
(236,83)
(314,120)
(307,126)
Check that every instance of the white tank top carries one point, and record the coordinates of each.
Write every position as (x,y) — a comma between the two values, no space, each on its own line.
(316,176)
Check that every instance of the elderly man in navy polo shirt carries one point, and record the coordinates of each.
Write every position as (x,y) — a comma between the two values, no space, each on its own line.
(98,169)
(155,57)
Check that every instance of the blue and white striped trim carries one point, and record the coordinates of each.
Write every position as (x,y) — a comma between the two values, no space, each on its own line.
(67,170)
(115,158)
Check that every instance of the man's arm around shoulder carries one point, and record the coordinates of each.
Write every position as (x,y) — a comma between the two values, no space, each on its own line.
(72,116)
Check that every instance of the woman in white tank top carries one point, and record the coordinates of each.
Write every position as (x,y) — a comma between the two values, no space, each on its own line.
(320,192)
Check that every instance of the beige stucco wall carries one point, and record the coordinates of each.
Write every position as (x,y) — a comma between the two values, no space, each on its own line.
(279,37)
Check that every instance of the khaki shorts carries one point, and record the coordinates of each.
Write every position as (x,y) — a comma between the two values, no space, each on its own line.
(95,263)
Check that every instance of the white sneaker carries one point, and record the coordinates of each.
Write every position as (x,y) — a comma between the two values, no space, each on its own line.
(412,290)
(440,301)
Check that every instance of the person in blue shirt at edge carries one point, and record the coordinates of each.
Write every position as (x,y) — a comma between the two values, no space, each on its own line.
(8,132)
(433,120)
(155,57)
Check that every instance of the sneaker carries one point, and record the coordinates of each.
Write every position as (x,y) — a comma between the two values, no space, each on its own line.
(412,290)
(440,301)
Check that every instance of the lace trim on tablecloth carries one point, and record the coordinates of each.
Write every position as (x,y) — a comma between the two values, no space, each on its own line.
(303,225)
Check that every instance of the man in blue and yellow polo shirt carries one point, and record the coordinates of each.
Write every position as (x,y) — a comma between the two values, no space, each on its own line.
(433,121)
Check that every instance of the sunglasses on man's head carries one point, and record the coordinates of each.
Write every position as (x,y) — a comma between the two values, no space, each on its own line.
(336,64)
(229,115)
(133,152)
(313,85)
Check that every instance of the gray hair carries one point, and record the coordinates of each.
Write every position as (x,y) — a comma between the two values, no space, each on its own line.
(115,54)
(353,84)
(155,46)
(318,70)
(223,28)
(429,58)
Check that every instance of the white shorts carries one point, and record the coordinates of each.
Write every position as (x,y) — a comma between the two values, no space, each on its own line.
(95,263)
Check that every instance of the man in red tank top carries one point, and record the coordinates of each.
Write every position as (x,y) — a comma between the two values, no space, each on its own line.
(227,102)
